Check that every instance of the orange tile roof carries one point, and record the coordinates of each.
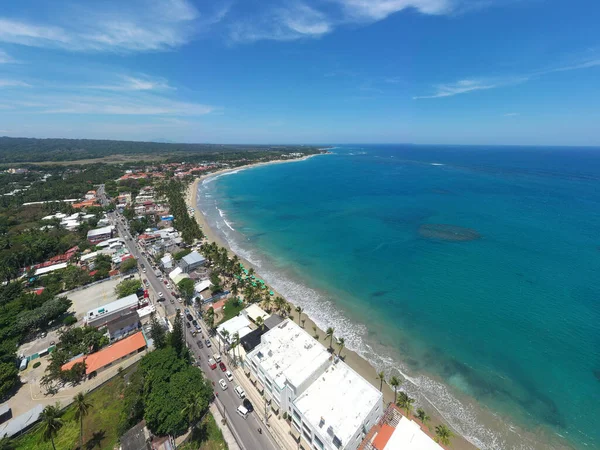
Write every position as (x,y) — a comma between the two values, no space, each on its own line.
(218,305)
(110,354)
(383,436)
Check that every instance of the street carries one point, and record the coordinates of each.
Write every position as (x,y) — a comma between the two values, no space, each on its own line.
(246,430)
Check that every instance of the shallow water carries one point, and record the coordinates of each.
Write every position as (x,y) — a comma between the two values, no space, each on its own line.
(510,319)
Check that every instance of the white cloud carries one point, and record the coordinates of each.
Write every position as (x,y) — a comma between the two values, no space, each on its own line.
(374,10)
(512,114)
(5,58)
(139,83)
(13,83)
(460,87)
(140,25)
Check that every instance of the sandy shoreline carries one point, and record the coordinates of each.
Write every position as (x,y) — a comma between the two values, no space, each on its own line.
(355,361)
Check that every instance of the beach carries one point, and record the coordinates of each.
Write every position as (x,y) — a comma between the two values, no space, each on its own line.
(354,360)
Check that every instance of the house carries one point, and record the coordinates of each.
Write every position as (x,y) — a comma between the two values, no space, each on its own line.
(395,431)
(123,325)
(90,195)
(239,324)
(136,438)
(113,311)
(177,275)
(108,356)
(331,405)
(202,286)
(100,234)
(85,204)
(192,261)
(167,261)
(254,311)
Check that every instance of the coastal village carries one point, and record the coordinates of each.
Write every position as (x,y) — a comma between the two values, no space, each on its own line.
(137,274)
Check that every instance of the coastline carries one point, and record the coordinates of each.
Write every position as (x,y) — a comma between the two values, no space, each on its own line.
(353,359)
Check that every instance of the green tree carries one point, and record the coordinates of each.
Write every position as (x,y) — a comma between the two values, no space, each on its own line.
(9,377)
(51,423)
(196,406)
(381,377)
(315,334)
(443,434)
(299,311)
(127,287)
(329,333)
(7,443)
(340,342)
(260,323)
(157,332)
(422,416)
(395,382)
(82,408)
(177,336)
(209,318)
(186,287)
(127,265)
(405,402)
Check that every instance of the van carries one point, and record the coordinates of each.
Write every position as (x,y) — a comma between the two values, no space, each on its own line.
(217,357)
(242,411)
(240,392)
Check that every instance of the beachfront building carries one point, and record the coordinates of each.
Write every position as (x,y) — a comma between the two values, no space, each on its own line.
(395,431)
(332,407)
(239,324)
(192,261)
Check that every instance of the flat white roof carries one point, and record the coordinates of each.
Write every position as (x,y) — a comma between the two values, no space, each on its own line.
(408,435)
(117,305)
(174,273)
(49,269)
(201,285)
(342,398)
(88,256)
(239,324)
(287,351)
(100,231)
(254,312)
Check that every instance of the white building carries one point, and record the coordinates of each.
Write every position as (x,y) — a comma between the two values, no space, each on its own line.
(239,324)
(332,407)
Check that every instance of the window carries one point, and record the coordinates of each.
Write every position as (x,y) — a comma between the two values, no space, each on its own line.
(318,443)
(307,436)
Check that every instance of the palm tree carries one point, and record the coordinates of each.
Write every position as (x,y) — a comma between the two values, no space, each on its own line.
(405,402)
(267,302)
(381,377)
(235,343)
(341,342)
(315,335)
(299,311)
(51,423)
(422,416)
(260,322)
(225,337)
(195,407)
(82,408)
(443,434)
(395,382)
(329,334)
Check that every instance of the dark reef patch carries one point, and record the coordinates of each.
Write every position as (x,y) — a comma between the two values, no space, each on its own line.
(444,232)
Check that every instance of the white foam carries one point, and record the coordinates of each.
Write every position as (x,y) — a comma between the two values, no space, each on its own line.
(437,164)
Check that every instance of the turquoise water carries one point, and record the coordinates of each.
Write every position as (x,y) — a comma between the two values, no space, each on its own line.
(500,334)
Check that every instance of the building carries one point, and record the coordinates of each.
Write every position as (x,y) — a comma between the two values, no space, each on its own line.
(22,422)
(123,325)
(136,438)
(239,324)
(48,269)
(100,234)
(252,340)
(90,195)
(336,410)
(192,261)
(103,315)
(202,286)
(395,431)
(167,261)
(253,312)
(108,356)
(177,275)
(331,406)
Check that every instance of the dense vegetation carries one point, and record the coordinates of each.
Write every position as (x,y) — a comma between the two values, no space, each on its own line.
(27,149)
(184,223)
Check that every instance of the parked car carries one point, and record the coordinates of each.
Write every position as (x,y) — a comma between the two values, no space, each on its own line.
(212,363)
(229,375)
(200,344)
(172,301)
(195,322)
(207,342)
(187,324)
(248,405)
(166,282)
(223,384)
(168,285)
(222,366)
(240,392)
(242,411)
(160,295)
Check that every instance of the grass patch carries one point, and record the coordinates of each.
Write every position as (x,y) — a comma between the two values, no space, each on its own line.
(207,436)
(99,426)
(231,309)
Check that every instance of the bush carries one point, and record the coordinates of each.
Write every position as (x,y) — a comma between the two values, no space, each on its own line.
(37,364)
(284,415)
(69,320)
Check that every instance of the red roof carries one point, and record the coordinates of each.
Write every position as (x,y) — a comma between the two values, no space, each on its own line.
(218,305)
(383,436)
(109,354)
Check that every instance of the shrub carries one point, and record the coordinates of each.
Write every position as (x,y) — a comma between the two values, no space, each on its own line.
(69,320)
(37,364)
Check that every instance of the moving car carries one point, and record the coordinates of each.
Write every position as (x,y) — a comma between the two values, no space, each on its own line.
(240,392)
(242,411)
(200,344)
(212,363)
(217,357)
(229,375)
(248,405)
(187,324)
(160,295)
(222,366)
(223,384)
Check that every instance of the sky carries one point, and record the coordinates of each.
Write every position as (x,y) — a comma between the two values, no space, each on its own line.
(522,72)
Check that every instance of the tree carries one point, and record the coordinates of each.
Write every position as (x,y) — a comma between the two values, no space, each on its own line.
(196,406)
(7,444)
(51,423)
(209,318)
(186,287)
(177,337)
(341,342)
(82,408)
(260,323)
(443,434)
(299,311)
(235,342)
(381,377)
(315,334)
(128,264)
(395,382)
(216,282)
(422,416)
(405,402)
(329,333)
(9,377)
(127,287)
(157,332)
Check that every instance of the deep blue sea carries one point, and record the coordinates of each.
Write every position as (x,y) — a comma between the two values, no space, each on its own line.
(500,334)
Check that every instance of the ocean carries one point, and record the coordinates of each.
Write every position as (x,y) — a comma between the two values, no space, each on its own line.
(473,271)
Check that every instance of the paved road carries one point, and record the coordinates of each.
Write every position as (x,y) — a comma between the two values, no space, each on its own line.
(245,429)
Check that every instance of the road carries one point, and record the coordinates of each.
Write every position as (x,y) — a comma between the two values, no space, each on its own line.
(245,429)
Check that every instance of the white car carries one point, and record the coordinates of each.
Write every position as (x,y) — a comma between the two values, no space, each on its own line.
(168,286)
(160,295)
(229,375)
(242,411)
(240,392)
(223,384)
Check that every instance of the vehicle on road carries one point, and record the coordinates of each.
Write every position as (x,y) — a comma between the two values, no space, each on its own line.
(160,294)
(188,325)
(200,344)
(144,270)
(172,301)
(207,342)
(168,285)
(229,375)
(223,384)
(240,392)
(166,282)
(217,357)
(248,405)
(195,323)
(212,364)
(147,283)
(242,411)
(173,294)
(222,366)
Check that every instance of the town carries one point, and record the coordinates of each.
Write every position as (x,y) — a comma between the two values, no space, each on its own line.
(198,348)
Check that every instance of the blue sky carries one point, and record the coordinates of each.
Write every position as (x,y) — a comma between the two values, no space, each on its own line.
(303,71)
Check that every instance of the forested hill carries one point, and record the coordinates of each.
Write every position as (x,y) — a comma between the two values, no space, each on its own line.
(13,150)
